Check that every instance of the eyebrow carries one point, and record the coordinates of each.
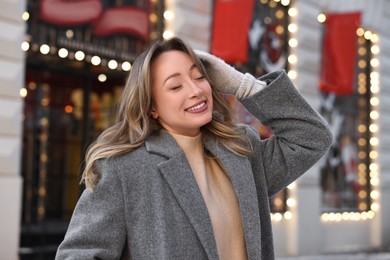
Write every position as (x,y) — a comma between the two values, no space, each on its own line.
(193,66)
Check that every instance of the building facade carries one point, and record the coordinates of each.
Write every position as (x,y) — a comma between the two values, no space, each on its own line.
(12,64)
(54,102)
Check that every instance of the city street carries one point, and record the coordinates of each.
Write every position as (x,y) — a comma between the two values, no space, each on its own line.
(355,256)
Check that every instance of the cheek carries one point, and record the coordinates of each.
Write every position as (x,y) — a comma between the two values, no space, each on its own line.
(168,103)
(207,88)
(209,92)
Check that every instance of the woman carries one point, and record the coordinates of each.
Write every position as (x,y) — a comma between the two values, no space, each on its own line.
(174,178)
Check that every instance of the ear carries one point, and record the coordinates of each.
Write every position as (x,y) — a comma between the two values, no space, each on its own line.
(153,113)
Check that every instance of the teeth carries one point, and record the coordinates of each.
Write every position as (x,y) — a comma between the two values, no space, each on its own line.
(196,107)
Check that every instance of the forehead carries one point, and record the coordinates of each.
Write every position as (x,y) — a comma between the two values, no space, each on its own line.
(171,62)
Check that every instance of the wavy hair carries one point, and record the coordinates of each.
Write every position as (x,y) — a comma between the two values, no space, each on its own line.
(133,124)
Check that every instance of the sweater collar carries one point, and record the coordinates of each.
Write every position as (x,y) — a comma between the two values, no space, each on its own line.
(191,145)
(164,144)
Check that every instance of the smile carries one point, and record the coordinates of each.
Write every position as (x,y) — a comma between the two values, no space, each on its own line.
(197,107)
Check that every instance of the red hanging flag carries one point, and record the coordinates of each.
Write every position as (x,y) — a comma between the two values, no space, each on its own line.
(70,13)
(123,19)
(339,53)
(231,23)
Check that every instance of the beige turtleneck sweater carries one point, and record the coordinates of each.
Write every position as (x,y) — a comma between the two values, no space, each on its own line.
(219,196)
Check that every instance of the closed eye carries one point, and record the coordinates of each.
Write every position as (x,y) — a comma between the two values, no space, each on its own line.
(199,78)
(176,87)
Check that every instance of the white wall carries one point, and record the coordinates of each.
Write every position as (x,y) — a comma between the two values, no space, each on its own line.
(314,236)
(192,21)
(12,29)
(384,43)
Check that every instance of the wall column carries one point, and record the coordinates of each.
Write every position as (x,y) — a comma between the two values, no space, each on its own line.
(12,63)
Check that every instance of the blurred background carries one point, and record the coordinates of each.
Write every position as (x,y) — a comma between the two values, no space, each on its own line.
(63,64)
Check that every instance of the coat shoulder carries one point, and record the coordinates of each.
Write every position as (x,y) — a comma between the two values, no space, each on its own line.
(131,163)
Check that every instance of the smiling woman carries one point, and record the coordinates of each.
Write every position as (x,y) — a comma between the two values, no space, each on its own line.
(175,178)
(183,101)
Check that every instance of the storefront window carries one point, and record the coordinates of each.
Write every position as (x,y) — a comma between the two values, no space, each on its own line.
(77,63)
(345,173)
(57,129)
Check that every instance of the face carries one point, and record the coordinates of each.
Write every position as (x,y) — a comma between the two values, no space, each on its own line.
(182,97)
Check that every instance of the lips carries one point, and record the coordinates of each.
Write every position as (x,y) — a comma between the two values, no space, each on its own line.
(197,107)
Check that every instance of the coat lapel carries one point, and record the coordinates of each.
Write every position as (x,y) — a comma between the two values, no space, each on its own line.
(178,174)
(240,172)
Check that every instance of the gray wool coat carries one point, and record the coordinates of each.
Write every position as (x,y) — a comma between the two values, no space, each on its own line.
(147,204)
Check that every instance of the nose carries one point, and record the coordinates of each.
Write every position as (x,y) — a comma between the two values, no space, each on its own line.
(194,90)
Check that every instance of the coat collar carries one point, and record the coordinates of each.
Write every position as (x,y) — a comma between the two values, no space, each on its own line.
(177,172)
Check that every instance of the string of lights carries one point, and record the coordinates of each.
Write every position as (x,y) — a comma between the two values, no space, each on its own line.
(368,199)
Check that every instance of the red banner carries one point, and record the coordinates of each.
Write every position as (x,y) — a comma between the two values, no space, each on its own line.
(231,23)
(339,53)
(70,13)
(114,20)
(123,19)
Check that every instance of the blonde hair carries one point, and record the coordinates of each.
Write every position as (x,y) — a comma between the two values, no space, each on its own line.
(133,124)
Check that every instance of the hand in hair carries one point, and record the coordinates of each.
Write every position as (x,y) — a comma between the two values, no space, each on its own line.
(227,79)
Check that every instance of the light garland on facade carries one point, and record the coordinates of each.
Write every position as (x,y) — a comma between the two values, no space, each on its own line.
(292,60)
(291,204)
(43,156)
(81,56)
(169,19)
(373,128)
(367,211)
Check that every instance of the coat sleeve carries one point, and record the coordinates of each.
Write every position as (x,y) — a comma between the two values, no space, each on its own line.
(300,135)
(97,229)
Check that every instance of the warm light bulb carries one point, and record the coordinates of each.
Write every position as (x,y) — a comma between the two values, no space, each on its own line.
(167,35)
(374,115)
(292,74)
(44,49)
(292,59)
(374,194)
(69,33)
(374,101)
(25,46)
(25,16)
(321,18)
(79,55)
(278,217)
(63,53)
(96,60)
(373,167)
(113,64)
(292,12)
(374,62)
(374,38)
(126,66)
(290,202)
(23,92)
(375,206)
(367,35)
(373,128)
(168,15)
(102,77)
(291,186)
(375,49)
(285,2)
(287,215)
(293,42)
(292,27)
